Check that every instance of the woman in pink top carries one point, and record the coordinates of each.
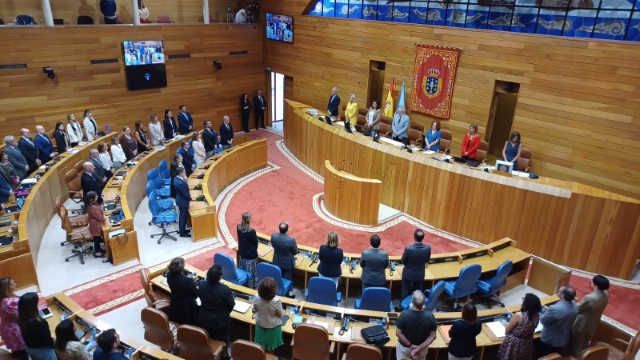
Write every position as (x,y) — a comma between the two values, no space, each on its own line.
(9,329)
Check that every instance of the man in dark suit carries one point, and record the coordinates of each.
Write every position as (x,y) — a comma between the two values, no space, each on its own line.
(44,145)
(188,161)
(183,197)
(260,104)
(284,250)
(558,320)
(29,150)
(226,133)
(415,258)
(89,181)
(100,173)
(334,103)
(373,262)
(16,158)
(590,311)
(185,121)
(210,139)
(169,125)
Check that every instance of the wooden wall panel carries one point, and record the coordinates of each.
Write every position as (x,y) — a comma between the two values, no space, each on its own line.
(30,98)
(183,11)
(577,108)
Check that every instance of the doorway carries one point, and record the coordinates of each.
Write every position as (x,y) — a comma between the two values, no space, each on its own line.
(503,108)
(277,100)
(376,82)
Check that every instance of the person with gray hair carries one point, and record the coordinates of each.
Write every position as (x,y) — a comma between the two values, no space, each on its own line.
(400,125)
(16,158)
(100,172)
(29,150)
(416,330)
(558,320)
(334,103)
(226,133)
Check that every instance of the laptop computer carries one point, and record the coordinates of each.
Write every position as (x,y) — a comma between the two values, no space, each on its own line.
(15,208)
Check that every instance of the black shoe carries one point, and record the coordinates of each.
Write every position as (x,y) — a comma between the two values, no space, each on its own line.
(185,235)
(264,127)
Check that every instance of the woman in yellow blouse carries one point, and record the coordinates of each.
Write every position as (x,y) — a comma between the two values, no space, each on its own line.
(351,111)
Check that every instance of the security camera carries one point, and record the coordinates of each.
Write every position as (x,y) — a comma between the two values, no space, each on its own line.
(49,71)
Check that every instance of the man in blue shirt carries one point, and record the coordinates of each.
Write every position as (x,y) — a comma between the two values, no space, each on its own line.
(107,349)
(185,121)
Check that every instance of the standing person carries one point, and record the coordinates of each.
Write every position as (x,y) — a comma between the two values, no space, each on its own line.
(90,126)
(415,259)
(199,154)
(260,106)
(590,311)
(226,133)
(62,139)
(512,149)
(8,171)
(463,334)
(108,342)
(143,12)
(245,109)
(248,248)
(373,262)
(105,159)
(108,9)
(373,118)
(518,342)
(96,219)
(35,330)
(68,346)
(9,328)
(170,126)
(128,143)
(29,150)
(43,143)
(217,305)
(431,140)
(334,104)
(210,139)
(284,250)
(141,137)
(155,130)
(176,166)
(331,257)
(101,173)
(74,129)
(185,121)
(183,197)
(471,143)
(184,308)
(6,190)
(16,158)
(416,330)
(351,111)
(558,320)
(187,158)
(400,125)
(268,315)
(89,181)
(119,157)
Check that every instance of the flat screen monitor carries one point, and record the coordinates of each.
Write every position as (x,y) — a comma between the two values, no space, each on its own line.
(280,27)
(504,166)
(144,64)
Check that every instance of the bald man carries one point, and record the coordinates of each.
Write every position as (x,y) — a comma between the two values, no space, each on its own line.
(226,133)
(100,172)
(89,180)
(44,145)
(29,150)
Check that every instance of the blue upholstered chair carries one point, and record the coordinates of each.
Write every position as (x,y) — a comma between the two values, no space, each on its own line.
(229,270)
(490,287)
(162,218)
(153,176)
(164,204)
(322,291)
(264,270)
(375,299)
(466,284)
(431,295)
(165,174)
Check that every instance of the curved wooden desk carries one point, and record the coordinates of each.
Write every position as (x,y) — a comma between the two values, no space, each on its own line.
(565,222)
(350,197)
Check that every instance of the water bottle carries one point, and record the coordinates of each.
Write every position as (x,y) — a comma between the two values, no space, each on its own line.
(297,310)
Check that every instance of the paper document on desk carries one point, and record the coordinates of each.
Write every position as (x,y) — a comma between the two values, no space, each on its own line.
(29,181)
(241,307)
(497,328)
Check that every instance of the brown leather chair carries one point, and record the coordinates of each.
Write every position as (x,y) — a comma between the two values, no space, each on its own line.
(311,342)
(195,344)
(78,166)
(78,237)
(153,299)
(597,352)
(73,180)
(363,111)
(481,153)
(386,120)
(622,350)
(243,349)
(417,126)
(357,351)
(362,121)
(445,140)
(554,356)
(341,113)
(524,161)
(158,329)
(415,137)
(385,129)
(77,220)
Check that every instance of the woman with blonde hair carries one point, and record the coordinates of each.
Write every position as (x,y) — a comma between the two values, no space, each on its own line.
(199,153)
(74,130)
(351,111)
(248,248)
(155,130)
(331,259)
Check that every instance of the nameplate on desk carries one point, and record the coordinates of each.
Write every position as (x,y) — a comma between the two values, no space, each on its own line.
(475,254)
(443,260)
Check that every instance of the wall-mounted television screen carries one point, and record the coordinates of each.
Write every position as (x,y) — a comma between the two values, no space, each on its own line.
(144,64)
(280,27)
